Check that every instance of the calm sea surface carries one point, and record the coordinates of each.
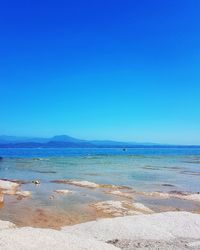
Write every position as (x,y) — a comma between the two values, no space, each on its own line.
(145,169)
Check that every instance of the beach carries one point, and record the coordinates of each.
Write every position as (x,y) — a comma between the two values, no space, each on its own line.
(172,230)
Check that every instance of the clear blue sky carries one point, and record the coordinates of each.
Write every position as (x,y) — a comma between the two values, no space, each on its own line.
(123,70)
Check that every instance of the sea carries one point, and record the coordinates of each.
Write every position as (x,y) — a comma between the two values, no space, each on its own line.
(142,169)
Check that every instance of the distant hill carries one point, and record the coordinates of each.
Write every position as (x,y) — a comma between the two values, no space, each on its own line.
(64,141)
(35,142)
(66,138)
(18,139)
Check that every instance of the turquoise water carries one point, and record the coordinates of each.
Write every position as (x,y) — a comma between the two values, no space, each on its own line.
(143,169)
(53,152)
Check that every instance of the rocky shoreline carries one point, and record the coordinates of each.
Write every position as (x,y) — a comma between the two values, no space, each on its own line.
(170,230)
(116,201)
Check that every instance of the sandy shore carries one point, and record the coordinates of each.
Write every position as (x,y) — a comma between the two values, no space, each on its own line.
(170,230)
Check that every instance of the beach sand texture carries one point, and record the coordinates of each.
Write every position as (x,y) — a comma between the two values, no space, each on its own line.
(178,229)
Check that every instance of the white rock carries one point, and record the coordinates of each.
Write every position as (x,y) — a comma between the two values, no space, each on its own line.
(194,244)
(190,197)
(63,191)
(160,226)
(141,207)
(89,184)
(47,239)
(23,193)
(8,185)
(184,196)
(1,198)
(121,208)
(119,193)
(165,227)
(6,225)
(84,184)
(17,192)
(11,188)
(155,194)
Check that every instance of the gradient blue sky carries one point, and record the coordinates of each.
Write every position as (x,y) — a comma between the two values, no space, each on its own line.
(123,70)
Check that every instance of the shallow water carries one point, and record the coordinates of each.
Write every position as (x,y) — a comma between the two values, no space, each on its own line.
(143,169)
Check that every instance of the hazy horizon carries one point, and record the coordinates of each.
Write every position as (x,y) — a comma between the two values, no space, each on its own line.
(97,139)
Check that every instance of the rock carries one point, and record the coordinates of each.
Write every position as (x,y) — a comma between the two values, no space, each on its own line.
(23,193)
(17,181)
(194,244)
(121,208)
(112,241)
(36,182)
(8,185)
(6,225)
(113,186)
(190,197)
(27,238)
(142,208)
(158,226)
(9,191)
(63,191)
(1,198)
(119,193)
(16,192)
(177,192)
(173,194)
(51,197)
(171,230)
(88,184)
(175,244)
(155,194)
(11,188)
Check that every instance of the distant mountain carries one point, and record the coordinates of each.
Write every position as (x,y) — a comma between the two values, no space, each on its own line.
(111,143)
(66,138)
(18,139)
(62,141)
(4,138)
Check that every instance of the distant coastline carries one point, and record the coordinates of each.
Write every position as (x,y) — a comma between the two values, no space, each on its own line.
(64,141)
